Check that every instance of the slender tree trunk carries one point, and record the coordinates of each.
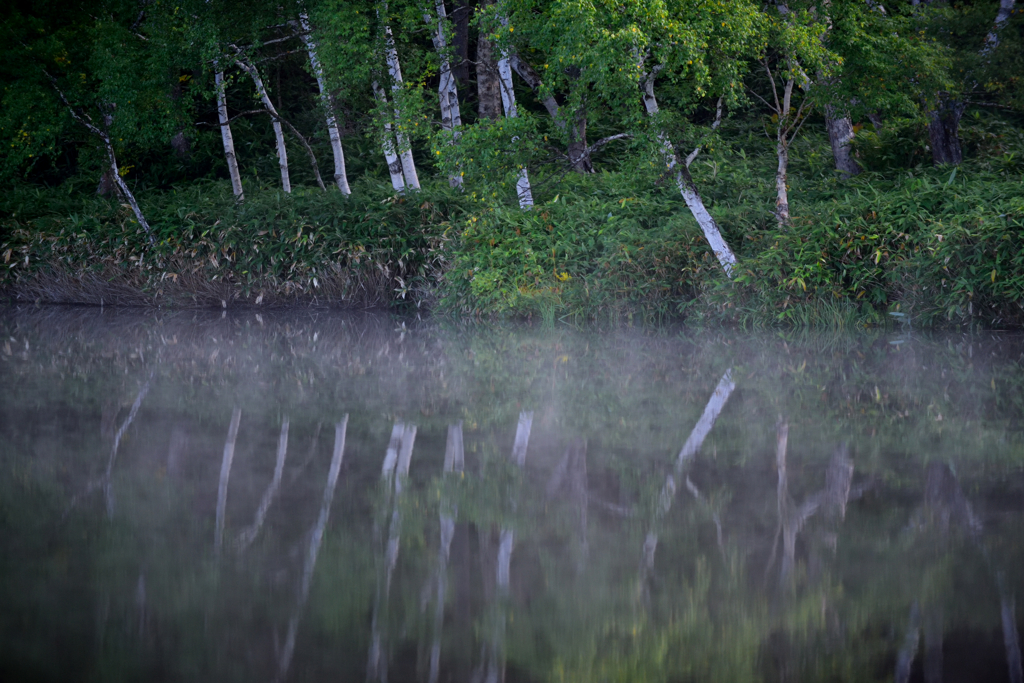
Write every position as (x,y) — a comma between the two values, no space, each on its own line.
(447,91)
(840,136)
(226,138)
(404,147)
(225,474)
(340,176)
(508,103)
(911,642)
(388,145)
(454,461)
(282,151)
(781,176)
(688,189)
(719,397)
(488,82)
(249,535)
(315,540)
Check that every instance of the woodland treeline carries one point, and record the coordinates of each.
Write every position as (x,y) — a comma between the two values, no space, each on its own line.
(511,104)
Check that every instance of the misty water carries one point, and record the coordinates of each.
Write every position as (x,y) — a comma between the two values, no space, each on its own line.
(306,496)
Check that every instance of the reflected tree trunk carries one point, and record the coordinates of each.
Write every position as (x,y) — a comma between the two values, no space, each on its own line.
(454,463)
(315,540)
(107,491)
(225,474)
(495,667)
(908,652)
(692,446)
(394,474)
(249,535)
(932,644)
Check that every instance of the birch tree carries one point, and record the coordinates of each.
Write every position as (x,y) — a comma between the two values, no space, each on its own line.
(404,147)
(227,140)
(282,150)
(447,89)
(340,176)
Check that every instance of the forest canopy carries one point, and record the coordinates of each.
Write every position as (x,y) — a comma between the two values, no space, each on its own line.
(550,143)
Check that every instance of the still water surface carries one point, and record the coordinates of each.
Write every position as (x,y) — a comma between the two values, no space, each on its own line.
(318,496)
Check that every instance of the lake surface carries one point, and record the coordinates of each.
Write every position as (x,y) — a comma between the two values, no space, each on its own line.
(314,496)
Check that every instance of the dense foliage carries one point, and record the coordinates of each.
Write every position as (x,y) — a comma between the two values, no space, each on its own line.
(546,157)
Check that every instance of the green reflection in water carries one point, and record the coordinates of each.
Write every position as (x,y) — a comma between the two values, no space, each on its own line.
(508,503)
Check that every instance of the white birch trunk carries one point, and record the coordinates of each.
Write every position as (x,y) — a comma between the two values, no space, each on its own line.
(316,538)
(781,177)
(508,102)
(447,91)
(249,535)
(404,147)
(225,474)
(226,138)
(689,191)
(340,176)
(992,39)
(282,151)
(388,145)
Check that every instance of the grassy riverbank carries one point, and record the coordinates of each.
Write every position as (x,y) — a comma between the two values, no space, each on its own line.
(940,246)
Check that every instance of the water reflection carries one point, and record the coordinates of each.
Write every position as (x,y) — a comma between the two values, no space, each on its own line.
(872,531)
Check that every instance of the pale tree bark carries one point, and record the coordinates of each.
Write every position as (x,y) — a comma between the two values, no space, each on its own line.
(395,72)
(691,447)
(488,83)
(249,535)
(279,123)
(840,137)
(686,186)
(508,103)
(104,136)
(107,479)
(495,671)
(454,463)
(282,151)
(225,475)
(315,540)
(340,176)
(447,90)
(394,474)
(388,144)
(225,135)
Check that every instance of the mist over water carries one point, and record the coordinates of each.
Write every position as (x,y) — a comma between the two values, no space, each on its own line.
(313,496)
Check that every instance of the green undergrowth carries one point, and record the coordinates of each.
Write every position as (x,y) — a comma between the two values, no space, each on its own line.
(934,246)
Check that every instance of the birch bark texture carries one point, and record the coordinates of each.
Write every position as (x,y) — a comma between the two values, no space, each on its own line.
(340,176)
(395,73)
(225,135)
(388,144)
(686,186)
(447,89)
(104,136)
(282,151)
(508,103)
